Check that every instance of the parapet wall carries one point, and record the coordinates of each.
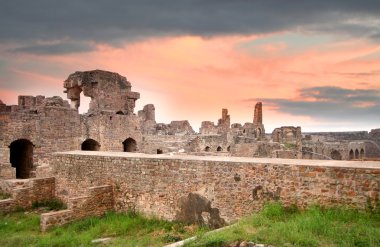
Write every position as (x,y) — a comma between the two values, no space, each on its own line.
(214,189)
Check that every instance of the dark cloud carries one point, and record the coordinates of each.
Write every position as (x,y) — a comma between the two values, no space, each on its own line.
(56,49)
(117,20)
(331,103)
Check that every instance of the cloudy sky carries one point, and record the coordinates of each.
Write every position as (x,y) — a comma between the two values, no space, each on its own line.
(314,64)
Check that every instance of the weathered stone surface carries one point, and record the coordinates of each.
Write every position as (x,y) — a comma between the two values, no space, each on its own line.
(25,192)
(154,184)
(38,126)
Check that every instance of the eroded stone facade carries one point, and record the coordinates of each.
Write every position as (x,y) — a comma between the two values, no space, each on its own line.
(214,190)
(38,126)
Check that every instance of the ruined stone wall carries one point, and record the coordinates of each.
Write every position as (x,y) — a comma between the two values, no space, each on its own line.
(48,123)
(98,201)
(25,192)
(211,143)
(214,189)
(246,147)
(338,136)
(153,144)
(109,91)
(110,130)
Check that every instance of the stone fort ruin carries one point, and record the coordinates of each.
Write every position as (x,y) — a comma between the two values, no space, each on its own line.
(167,167)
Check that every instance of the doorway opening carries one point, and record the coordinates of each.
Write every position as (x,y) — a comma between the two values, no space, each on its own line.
(21,157)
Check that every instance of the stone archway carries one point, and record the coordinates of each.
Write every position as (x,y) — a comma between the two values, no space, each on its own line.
(21,157)
(90,145)
(362,155)
(207,149)
(356,154)
(351,155)
(335,155)
(219,149)
(129,145)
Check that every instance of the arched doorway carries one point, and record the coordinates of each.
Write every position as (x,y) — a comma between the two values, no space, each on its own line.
(362,153)
(207,149)
(335,155)
(219,149)
(129,145)
(21,157)
(90,145)
(351,155)
(356,154)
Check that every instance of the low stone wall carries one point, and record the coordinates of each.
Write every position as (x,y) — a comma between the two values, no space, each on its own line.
(25,192)
(214,190)
(99,201)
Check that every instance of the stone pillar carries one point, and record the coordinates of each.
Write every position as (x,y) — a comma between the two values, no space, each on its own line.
(258,116)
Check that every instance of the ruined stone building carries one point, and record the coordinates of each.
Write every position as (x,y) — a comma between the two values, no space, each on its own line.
(42,138)
(38,126)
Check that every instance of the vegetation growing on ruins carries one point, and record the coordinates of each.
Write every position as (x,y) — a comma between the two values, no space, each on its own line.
(22,229)
(50,205)
(4,195)
(317,226)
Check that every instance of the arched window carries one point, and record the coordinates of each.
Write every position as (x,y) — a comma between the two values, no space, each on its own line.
(21,157)
(362,155)
(129,145)
(356,154)
(219,149)
(229,148)
(207,149)
(351,155)
(90,145)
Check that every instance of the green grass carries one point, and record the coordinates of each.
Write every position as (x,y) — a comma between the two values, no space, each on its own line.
(316,226)
(22,229)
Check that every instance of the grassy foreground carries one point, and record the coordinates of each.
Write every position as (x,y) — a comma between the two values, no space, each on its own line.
(316,226)
(22,229)
(275,225)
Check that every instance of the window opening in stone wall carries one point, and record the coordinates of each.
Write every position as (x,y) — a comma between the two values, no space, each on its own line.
(335,155)
(207,149)
(356,154)
(119,113)
(159,151)
(129,145)
(229,148)
(21,157)
(90,145)
(362,153)
(219,149)
(351,155)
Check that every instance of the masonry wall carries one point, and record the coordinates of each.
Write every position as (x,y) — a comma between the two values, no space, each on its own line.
(49,129)
(98,201)
(214,189)
(25,192)
(110,130)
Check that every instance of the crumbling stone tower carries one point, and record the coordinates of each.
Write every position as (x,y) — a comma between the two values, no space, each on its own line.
(258,115)
(108,91)
(258,121)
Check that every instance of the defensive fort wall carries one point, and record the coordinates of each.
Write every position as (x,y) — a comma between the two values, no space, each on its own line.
(213,190)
